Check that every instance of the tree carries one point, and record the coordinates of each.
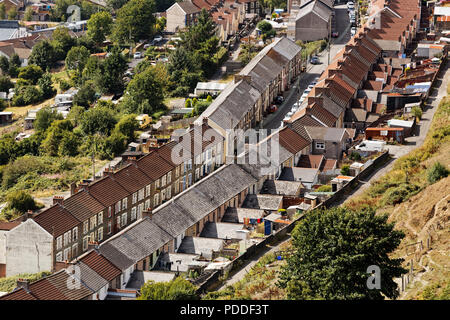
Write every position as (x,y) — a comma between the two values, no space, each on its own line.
(26,95)
(416,111)
(177,289)
(28,16)
(345,170)
(43,55)
(14,65)
(199,33)
(44,118)
(2,11)
(85,95)
(99,119)
(62,42)
(21,201)
(75,114)
(112,69)
(12,13)
(135,21)
(116,4)
(264,26)
(31,72)
(5,84)
(77,58)
(55,134)
(4,64)
(332,250)
(46,85)
(145,86)
(437,172)
(99,26)
(127,125)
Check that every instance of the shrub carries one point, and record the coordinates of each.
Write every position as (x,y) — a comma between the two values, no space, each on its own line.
(416,112)
(64,85)
(437,172)
(177,289)
(399,194)
(20,201)
(355,156)
(324,188)
(345,170)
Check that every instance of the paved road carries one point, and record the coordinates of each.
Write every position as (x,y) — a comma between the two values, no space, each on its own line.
(273,121)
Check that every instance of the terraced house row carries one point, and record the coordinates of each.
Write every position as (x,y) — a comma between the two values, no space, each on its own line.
(98,209)
(108,266)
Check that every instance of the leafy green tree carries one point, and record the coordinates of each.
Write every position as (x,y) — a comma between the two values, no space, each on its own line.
(2,11)
(77,58)
(5,84)
(75,114)
(14,65)
(116,4)
(8,150)
(46,85)
(99,26)
(177,289)
(437,172)
(55,134)
(199,33)
(43,55)
(69,144)
(31,72)
(25,95)
(416,111)
(332,250)
(127,125)
(145,86)
(4,64)
(62,42)
(85,95)
(345,170)
(44,119)
(115,144)
(12,13)
(111,72)
(92,69)
(135,20)
(28,16)
(98,119)
(21,201)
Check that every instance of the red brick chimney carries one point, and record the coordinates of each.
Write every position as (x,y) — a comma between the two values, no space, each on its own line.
(58,199)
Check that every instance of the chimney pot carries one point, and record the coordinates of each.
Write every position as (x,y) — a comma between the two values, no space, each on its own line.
(58,199)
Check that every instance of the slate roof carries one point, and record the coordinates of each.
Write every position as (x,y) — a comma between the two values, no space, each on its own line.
(221,230)
(136,242)
(199,245)
(287,188)
(263,201)
(299,174)
(90,278)
(327,134)
(237,215)
(195,203)
(188,7)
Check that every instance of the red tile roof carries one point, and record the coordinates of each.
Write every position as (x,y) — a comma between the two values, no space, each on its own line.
(292,141)
(82,205)
(56,220)
(310,161)
(154,166)
(101,265)
(45,290)
(20,294)
(8,225)
(132,178)
(107,191)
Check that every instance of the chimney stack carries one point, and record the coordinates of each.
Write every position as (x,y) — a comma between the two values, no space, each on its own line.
(109,171)
(23,283)
(73,188)
(147,213)
(129,160)
(27,215)
(92,245)
(58,199)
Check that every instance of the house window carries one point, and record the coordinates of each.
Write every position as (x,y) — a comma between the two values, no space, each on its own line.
(156,200)
(124,219)
(147,191)
(93,222)
(85,243)
(169,177)
(66,254)
(124,203)
(59,243)
(118,206)
(59,257)
(177,186)
(109,211)
(147,204)
(74,250)
(169,193)
(134,200)
(320,145)
(197,173)
(141,194)
(190,179)
(163,181)
(118,222)
(163,195)
(157,183)
(75,234)
(100,234)
(93,236)
(100,217)
(86,227)
(109,227)
(139,211)
(67,238)
(133,213)
(189,164)
(198,159)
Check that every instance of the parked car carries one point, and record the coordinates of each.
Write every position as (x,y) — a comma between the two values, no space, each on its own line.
(273,108)
(350,5)
(353,31)
(157,39)
(279,99)
(335,34)
(315,60)
(137,55)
